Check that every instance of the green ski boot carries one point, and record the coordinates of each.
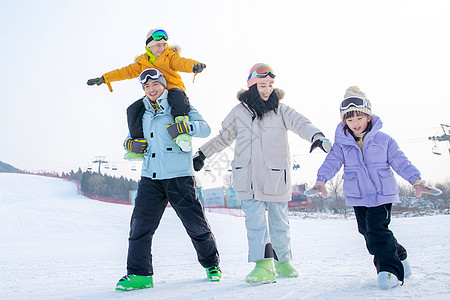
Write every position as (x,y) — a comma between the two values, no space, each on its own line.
(264,272)
(134,282)
(184,140)
(214,273)
(286,269)
(133,156)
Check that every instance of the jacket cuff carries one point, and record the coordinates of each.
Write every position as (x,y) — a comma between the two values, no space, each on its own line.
(322,178)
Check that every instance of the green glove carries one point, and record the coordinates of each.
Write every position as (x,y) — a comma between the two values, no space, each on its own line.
(136,145)
(97,81)
(198,67)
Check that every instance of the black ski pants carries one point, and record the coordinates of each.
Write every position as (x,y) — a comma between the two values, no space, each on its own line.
(150,203)
(373,224)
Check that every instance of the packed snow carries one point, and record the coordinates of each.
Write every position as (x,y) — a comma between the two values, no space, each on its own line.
(57,244)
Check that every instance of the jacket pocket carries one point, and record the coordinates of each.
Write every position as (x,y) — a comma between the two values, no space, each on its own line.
(275,182)
(241,178)
(388,183)
(351,186)
(177,161)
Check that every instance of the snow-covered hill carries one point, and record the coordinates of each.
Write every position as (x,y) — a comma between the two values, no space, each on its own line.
(56,244)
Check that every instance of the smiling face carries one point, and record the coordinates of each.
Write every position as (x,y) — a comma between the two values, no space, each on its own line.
(265,88)
(358,122)
(158,49)
(153,90)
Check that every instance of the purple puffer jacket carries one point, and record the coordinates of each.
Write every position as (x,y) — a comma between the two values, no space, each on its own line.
(368,177)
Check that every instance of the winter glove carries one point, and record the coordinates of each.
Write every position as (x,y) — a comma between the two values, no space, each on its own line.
(97,81)
(137,146)
(318,188)
(175,129)
(420,188)
(199,160)
(198,67)
(320,141)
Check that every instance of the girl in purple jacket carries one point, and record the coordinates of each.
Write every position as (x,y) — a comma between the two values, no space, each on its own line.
(368,156)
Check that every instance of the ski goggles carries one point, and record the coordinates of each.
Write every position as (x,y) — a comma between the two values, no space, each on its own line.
(149,74)
(157,36)
(354,101)
(261,72)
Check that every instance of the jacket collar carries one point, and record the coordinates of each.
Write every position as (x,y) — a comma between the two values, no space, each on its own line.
(348,139)
(162,102)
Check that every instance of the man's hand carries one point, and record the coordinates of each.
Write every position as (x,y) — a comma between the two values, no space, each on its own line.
(137,146)
(175,129)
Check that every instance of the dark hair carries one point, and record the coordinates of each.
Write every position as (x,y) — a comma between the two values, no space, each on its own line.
(357,113)
(258,106)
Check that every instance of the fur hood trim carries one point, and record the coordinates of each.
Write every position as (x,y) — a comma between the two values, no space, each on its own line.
(280,93)
(175,48)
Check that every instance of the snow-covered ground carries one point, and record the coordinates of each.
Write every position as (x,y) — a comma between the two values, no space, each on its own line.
(56,244)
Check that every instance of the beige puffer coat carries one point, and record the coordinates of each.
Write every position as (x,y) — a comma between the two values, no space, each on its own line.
(261,166)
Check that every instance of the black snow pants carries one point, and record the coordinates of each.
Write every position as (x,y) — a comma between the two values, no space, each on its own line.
(373,224)
(150,203)
(177,100)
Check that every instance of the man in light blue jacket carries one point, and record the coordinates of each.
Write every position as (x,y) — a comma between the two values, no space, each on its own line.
(167,176)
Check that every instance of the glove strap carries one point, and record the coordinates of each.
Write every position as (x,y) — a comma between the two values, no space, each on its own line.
(110,87)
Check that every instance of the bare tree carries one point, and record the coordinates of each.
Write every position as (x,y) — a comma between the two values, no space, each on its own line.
(228,181)
(335,186)
(97,182)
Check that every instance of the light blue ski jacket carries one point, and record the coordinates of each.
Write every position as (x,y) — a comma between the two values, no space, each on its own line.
(164,159)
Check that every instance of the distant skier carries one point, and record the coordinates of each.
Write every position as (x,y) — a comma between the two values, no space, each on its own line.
(369,184)
(262,170)
(159,56)
(167,177)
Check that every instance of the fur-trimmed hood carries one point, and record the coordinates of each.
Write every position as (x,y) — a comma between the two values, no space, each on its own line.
(280,93)
(175,48)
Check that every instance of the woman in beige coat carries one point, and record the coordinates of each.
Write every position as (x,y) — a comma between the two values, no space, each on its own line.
(262,169)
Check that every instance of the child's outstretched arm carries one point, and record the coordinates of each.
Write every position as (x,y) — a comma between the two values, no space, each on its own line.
(182,64)
(403,167)
(401,164)
(331,165)
(129,72)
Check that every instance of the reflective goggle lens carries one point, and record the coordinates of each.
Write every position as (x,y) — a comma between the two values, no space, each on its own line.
(262,71)
(354,101)
(152,73)
(157,36)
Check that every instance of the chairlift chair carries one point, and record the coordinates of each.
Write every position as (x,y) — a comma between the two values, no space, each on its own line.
(435,150)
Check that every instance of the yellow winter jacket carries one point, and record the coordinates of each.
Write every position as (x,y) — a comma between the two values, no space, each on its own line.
(168,63)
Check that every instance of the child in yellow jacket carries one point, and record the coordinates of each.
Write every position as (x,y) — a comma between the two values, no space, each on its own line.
(158,56)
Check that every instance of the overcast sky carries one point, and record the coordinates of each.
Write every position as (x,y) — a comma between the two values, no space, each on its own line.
(398,52)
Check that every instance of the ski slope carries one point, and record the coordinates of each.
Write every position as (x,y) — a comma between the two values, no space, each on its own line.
(56,244)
